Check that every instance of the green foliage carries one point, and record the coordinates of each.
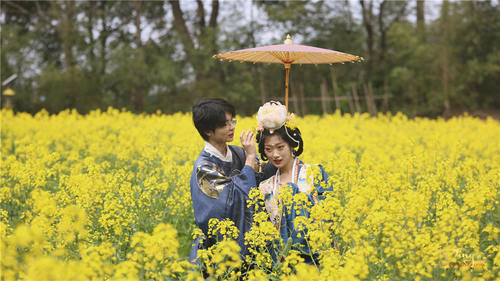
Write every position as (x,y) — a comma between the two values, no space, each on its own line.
(452,64)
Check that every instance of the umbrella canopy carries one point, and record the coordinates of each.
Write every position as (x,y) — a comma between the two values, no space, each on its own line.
(288,54)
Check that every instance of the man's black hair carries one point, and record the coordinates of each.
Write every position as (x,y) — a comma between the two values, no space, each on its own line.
(210,114)
(291,136)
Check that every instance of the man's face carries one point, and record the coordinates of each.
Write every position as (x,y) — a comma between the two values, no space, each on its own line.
(223,134)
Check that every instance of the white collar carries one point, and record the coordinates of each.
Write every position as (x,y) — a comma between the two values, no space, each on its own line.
(215,152)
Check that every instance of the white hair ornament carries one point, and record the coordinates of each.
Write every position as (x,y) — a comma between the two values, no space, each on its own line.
(272,116)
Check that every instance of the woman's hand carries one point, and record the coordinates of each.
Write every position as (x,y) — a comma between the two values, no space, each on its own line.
(247,141)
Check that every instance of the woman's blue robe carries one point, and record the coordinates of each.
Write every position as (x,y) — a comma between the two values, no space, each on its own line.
(288,230)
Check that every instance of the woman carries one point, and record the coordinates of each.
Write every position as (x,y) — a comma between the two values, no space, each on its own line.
(280,141)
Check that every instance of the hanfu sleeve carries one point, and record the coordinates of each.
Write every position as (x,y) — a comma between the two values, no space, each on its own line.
(212,181)
(216,196)
(313,181)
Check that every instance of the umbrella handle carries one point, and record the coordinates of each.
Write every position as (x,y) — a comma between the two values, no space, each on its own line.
(287,70)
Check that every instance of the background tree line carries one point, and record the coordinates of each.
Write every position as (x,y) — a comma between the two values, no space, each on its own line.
(425,58)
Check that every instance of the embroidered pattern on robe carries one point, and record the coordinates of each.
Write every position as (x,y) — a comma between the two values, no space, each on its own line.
(211,180)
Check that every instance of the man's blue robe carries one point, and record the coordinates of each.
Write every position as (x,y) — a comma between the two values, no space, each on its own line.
(220,190)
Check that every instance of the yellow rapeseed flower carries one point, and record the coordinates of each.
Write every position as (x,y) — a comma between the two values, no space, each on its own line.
(105,196)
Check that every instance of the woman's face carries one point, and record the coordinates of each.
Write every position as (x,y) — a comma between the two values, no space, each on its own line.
(278,151)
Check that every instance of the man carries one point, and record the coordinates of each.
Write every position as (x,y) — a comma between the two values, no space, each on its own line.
(223,174)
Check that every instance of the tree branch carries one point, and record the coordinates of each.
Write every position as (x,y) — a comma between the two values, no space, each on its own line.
(137,22)
(215,13)
(368,24)
(18,7)
(381,10)
(21,9)
(41,13)
(181,28)
(399,15)
(200,12)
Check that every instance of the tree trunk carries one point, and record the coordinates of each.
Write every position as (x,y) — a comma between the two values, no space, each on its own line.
(444,57)
(421,16)
(262,86)
(383,32)
(367,12)
(356,98)
(212,24)
(103,38)
(182,30)
(302,101)
(139,59)
(215,13)
(335,88)
(372,99)
(370,103)
(200,13)
(387,94)
(350,99)
(297,106)
(324,96)
(205,38)
(386,18)
(90,29)
(66,33)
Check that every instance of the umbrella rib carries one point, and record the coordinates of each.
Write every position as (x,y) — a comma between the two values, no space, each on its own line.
(268,57)
(321,58)
(309,59)
(238,56)
(254,57)
(300,56)
(264,56)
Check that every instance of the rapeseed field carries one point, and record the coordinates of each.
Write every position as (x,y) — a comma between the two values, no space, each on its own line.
(105,196)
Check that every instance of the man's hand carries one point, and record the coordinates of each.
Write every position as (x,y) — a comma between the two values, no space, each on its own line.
(247,141)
